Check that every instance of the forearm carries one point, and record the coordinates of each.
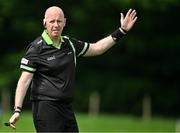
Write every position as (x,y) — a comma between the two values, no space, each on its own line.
(22,87)
(100,46)
(104,44)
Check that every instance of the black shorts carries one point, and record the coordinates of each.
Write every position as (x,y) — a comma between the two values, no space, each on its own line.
(53,116)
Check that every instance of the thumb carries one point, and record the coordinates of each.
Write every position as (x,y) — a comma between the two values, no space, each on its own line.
(122,17)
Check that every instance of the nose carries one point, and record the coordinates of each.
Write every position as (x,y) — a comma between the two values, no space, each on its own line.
(56,24)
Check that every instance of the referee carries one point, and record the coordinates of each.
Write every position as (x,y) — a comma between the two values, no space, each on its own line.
(49,68)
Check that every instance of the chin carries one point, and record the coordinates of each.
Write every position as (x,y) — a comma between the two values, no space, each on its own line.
(56,35)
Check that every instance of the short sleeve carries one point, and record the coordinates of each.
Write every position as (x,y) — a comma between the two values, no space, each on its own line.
(80,46)
(29,61)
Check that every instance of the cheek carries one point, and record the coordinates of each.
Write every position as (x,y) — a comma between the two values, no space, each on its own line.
(64,24)
(49,28)
(48,25)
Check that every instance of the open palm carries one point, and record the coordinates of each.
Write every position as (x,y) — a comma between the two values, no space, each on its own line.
(128,21)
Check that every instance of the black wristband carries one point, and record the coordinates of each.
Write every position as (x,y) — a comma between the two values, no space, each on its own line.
(17,111)
(118,34)
(123,30)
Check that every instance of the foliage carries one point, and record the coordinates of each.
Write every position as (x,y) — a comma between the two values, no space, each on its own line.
(144,61)
(9,70)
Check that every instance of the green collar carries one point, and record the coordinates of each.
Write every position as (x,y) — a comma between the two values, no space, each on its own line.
(49,41)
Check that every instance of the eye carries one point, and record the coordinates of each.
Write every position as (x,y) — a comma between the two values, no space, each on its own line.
(52,21)
(59,21)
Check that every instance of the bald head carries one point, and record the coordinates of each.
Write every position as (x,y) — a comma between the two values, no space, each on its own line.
(53,10)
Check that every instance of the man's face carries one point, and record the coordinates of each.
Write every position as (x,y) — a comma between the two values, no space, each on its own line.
(54,23)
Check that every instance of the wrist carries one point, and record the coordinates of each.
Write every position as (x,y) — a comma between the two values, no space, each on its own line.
(118,34)
(17,109)
(123,30)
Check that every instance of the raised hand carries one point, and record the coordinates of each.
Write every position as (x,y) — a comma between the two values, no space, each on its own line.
(128,21)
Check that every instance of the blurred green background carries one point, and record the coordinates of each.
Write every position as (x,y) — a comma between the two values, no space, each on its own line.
(138,77)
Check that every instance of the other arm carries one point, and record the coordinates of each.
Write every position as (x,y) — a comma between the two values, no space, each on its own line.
(22,86)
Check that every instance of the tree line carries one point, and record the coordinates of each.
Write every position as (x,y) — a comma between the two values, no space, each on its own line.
(144,62)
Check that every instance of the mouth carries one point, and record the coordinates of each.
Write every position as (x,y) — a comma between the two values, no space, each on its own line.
(56,31)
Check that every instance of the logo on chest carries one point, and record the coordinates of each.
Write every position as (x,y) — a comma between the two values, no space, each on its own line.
(51,58)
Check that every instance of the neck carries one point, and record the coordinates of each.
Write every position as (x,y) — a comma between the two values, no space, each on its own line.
(56,40)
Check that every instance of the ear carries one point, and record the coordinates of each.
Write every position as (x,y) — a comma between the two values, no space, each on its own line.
(44,23)
(64,22)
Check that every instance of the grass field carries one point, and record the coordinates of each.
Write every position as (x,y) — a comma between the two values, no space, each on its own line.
(101,123)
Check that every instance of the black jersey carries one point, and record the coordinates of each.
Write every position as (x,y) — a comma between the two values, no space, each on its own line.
(53,67)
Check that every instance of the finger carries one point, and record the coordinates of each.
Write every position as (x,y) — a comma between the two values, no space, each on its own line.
(133,14)
(134,20)
(12,126)
(129,12)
